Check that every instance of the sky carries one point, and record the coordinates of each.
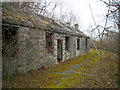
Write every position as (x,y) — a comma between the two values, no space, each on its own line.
(82,8)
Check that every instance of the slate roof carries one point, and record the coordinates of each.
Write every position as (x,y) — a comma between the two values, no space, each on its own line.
(18,17)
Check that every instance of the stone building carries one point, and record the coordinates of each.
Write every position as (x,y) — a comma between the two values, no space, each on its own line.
(31,41)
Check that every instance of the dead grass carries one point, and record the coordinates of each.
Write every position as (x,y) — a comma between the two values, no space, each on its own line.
(85,76)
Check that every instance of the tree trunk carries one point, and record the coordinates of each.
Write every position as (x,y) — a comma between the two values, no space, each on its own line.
(119,47)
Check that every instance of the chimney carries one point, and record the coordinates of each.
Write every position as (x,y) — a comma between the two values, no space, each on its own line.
(76,26)
(68,24)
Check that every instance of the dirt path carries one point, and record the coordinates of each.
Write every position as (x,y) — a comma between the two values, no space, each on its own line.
(79,72)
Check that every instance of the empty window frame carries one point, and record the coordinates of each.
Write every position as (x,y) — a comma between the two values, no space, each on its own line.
(9,40)
(78,44)
(49,42)
(67,43)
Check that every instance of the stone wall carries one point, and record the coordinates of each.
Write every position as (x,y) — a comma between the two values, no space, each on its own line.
(31,55)
(31,48)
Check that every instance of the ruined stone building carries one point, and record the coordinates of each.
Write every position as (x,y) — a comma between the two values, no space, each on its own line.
(30,41)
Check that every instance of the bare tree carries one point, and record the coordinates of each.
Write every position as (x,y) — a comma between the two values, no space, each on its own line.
(72,18)
(112,37)
(105,32)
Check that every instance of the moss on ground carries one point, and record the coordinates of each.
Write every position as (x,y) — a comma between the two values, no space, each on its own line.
(86,75)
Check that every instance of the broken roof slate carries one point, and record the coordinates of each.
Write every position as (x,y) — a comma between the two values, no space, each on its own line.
(17,17)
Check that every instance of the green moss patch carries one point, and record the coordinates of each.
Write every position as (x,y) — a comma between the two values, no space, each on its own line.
(82,71)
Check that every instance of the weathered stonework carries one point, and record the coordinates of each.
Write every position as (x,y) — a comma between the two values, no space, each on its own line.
(31,51)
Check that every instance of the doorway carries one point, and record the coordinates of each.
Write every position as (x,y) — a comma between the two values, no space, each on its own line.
(59,50)
(86,45)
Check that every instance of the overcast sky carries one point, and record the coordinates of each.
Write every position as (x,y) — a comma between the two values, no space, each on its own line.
(81,7)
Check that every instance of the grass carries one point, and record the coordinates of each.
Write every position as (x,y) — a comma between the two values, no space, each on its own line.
(84,76)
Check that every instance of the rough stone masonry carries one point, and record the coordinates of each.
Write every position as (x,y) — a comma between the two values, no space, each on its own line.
(30,42)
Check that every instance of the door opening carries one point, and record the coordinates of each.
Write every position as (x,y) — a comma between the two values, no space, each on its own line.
(59,50)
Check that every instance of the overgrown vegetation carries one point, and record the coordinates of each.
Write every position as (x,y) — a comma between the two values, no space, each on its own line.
(79,72)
